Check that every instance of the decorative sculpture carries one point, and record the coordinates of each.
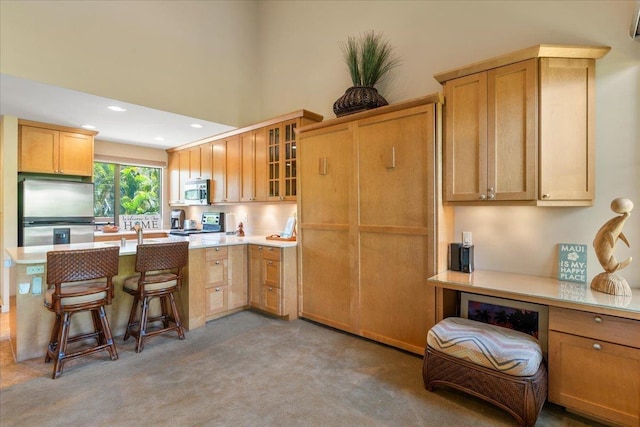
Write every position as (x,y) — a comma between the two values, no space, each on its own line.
(604,244)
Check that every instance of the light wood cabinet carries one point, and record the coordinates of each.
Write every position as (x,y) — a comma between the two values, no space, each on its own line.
(225,170)
(51,149)
(519,128)
(594,365)
(175,186)
(254,166)
(367,209)
(282,159)
(240,163)
(216,284)
(273,280)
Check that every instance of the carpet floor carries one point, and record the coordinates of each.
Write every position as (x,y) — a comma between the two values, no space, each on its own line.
(247,370)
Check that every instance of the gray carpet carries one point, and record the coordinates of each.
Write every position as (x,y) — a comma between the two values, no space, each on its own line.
(251,370)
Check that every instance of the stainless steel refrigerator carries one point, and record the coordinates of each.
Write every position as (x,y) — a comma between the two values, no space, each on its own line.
(54,212)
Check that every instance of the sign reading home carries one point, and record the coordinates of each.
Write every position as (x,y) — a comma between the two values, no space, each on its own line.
(572,262)
(147,222)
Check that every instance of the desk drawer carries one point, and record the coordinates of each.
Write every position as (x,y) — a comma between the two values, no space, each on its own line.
(597,326)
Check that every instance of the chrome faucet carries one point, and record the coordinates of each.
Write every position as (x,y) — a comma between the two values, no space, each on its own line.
(138,229)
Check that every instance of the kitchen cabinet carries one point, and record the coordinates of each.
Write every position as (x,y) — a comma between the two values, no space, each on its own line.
(240,163)
(225,170)
(176,195)
(594,365)
(282,163)
(51,149)
(368,208)
(254,166)
(273,280)
(226,281)
(519,128)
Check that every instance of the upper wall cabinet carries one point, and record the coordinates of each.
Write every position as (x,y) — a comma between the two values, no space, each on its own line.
(51,149)
(282,161)
(252,164)
(519,128)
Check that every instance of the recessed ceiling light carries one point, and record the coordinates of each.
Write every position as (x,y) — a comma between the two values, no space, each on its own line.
(88,126)
(159,138)
(116,108)
(196,125)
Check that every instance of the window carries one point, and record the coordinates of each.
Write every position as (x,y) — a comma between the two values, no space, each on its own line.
(125,190)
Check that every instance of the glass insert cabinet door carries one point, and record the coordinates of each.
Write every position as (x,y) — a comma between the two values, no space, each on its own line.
(282,161)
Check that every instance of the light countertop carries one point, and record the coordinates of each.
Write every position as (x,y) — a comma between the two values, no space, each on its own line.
(38,254)
(541,290)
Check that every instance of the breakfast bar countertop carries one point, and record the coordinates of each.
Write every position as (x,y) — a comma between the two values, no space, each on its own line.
(38,254)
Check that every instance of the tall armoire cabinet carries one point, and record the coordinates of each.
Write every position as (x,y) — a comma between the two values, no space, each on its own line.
(371,224)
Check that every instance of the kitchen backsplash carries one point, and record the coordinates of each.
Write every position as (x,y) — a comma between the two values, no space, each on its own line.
(257,218)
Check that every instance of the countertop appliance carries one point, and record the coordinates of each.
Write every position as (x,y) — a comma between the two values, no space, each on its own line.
(52,212)
(196,191)
(230,223)
(190,225)
(177,219)
(212,222)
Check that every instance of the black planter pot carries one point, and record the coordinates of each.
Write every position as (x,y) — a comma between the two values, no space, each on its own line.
(358,98)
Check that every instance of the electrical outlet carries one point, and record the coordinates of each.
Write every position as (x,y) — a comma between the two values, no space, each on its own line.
(23,288)
(35,269)
(36,285)
(466,238)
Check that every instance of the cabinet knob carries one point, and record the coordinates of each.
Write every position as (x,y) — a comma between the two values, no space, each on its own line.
(217,289)
(217,262)
(597,346)
(270,289)
(546,196)
(217,249)
(492,196)
(483,196)
(597,319)
(270,262)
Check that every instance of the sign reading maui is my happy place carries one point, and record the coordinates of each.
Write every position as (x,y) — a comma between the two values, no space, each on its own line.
(148,222)
(572,262)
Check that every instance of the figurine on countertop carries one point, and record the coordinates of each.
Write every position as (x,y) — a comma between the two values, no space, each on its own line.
(240,231)
(604,244)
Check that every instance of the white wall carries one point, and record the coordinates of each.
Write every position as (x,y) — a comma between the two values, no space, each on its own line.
(8,201)
(195,58)
(434,36)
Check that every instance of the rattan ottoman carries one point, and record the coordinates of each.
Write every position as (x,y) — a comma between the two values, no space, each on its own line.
(487,361)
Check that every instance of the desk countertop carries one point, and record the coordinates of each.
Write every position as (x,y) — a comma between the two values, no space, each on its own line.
(541,290)
(38,254)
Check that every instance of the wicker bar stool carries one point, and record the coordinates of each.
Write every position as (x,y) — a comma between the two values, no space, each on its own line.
(160,266)
(80,280)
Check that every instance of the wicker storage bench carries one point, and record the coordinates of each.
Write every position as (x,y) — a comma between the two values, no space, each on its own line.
(499,365)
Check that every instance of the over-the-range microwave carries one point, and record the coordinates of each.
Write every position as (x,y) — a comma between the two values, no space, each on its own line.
(196,191)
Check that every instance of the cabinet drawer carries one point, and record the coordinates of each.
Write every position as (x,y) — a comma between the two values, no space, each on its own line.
(217,274)
(272,273)
(597,326)
(271,253)
(216,299)
(595,377)
(272,298)
(216,253)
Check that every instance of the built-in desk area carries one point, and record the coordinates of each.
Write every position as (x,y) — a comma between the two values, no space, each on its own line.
(593,338)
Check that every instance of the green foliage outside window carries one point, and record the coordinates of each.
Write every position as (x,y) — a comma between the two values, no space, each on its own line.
(125,190)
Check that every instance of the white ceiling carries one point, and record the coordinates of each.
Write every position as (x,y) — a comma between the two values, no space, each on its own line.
(138,125)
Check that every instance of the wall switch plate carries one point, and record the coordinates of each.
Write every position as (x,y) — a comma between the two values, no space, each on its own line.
(466,238)
(35,269)
(23,288)
(36,285)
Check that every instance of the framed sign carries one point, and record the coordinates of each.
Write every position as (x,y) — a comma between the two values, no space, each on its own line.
(572,262)
(532,319)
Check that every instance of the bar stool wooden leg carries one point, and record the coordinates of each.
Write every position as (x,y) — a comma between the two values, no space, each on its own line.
(132,318)
(106,335)
(176,317)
